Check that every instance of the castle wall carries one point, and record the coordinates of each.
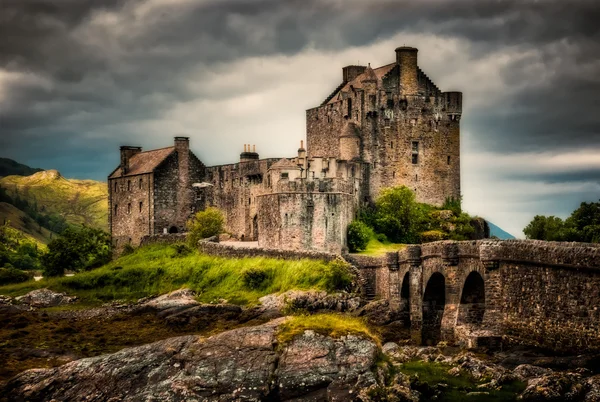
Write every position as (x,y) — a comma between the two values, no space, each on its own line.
(541,293)
(131,197)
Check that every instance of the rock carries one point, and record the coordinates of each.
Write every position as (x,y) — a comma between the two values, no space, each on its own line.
(592,386)
(526,371)
(8,306)
(554,387)
(179,299)
(477,368)
(379,312)
(45,298)
(204,312)
(242,364)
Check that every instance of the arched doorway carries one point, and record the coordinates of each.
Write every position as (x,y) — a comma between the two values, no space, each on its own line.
(472,301)
(255,227)
(405,300)
(434,302)
(173,229)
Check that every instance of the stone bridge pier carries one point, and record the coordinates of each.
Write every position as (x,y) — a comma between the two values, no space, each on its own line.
(475,293)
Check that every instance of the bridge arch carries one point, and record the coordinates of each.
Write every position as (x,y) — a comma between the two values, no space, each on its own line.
(434,303)
(405,299)
(472,301)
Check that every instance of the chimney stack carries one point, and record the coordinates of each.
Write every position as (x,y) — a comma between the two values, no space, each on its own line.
(126,153)
(406,58)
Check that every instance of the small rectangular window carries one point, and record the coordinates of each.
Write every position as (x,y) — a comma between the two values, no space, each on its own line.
(448,159)
(415,159)
(386,123)
(116,187)
(141,206)
(140,184)
(284,175)
(116,209)
(415,152)
(128,185)
(415,146)
(129,208)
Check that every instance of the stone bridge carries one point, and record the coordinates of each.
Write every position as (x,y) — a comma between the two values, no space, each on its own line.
(476,292)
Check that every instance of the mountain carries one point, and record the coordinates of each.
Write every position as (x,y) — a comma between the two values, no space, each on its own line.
(9,167)
(19,220)
(77,201)
(499,233)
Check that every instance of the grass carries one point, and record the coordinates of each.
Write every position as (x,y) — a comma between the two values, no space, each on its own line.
(159,269)
(376,248)
(329,324)
(425,375)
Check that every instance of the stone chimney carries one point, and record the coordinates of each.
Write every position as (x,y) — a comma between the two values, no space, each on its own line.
(406,58)
(249,153)
(184,187)
(126,153)
(351,72)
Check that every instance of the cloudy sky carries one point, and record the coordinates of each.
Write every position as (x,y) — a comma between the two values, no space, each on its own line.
(80,78)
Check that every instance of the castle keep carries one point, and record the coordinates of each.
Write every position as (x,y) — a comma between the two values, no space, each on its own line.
(381,127)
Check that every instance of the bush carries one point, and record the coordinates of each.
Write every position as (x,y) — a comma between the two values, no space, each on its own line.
(204,224)
(254,278)
(380,237)
(398,215)
(8,275)
(337,276)
(359,235)
(432,235)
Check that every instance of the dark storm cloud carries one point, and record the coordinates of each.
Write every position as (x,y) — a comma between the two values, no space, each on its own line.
(93,70)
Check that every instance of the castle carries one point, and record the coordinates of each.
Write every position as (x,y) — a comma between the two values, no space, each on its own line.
(381,127)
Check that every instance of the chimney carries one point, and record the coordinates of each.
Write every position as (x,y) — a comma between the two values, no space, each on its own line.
(406,58)
(351,72)
(126,153)
(184,186)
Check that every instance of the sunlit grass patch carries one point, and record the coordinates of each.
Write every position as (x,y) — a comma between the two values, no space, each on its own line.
(329,324)
(376,247)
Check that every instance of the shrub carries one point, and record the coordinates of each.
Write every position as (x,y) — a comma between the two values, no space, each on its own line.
(359,235)
(8,275)
(432,235)
(453,204)
(381,238)
(337,276)
(398,215)
(204,224)
(254,278)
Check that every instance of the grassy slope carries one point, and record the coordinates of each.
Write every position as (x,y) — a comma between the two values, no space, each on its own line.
(376,248)
(158,269)
(17,219)
(78,201)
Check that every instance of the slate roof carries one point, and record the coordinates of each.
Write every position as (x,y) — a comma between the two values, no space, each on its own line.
(144,162)
(357,82)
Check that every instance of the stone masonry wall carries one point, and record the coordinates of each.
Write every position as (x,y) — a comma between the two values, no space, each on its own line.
(542,293)
(223,250)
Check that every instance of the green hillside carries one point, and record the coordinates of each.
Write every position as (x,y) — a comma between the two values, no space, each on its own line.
(22,222)
(77,201)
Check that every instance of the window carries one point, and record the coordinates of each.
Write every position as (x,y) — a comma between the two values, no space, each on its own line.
(394,174)
(373,101)
(116,187)
(141,206)
(128,185)
(116,209)
(415,152)
(349,108)
(285,175)
(448,159)
(140,184)
(416,177)
(386,123)
(129,208)
(392,144)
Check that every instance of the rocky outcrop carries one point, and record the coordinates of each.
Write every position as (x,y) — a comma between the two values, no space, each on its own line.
(242,364)
(45,298)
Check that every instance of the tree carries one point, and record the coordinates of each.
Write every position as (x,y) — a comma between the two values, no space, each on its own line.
(204,224)
(359,235)
(542,227)
(398,215)
(75,250)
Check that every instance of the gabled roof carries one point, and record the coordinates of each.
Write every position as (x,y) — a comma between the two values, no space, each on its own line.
(357,82)
(283,164)
(144,162)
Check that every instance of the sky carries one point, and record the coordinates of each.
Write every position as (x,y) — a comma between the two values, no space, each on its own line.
(80,78)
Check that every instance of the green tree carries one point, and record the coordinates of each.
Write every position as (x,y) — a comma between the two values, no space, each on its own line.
(398,215)
(204,224)
(359,234)
(545,228)
(75,250)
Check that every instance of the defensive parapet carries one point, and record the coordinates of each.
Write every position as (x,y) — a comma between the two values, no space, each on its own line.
(481,292)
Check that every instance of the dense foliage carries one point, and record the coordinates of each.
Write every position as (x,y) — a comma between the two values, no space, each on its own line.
(583,225)
(359,234)
(204,224)
(75,250)
(397,217)
(158,269)
(17,250)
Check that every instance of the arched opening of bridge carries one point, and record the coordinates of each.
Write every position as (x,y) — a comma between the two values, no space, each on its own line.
(405,300)
(434,301)
(472,301)
(173,229)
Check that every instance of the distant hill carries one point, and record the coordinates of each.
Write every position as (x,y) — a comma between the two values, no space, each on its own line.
(78,201)
(499,233)
(19,220)
(9,167)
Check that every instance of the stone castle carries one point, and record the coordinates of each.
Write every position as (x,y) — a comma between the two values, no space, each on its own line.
(381,127)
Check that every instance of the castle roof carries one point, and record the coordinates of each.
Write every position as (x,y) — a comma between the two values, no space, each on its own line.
(369,74)
(144,162)
(283,164)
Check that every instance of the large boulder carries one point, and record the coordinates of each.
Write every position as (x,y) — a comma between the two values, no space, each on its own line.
(45,298)
(554,387)
(242,364)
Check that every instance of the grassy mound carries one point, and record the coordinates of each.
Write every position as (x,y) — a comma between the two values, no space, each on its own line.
(159,269)
(329,324)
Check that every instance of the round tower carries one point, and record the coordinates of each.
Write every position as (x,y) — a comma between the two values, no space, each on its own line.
(349,142)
